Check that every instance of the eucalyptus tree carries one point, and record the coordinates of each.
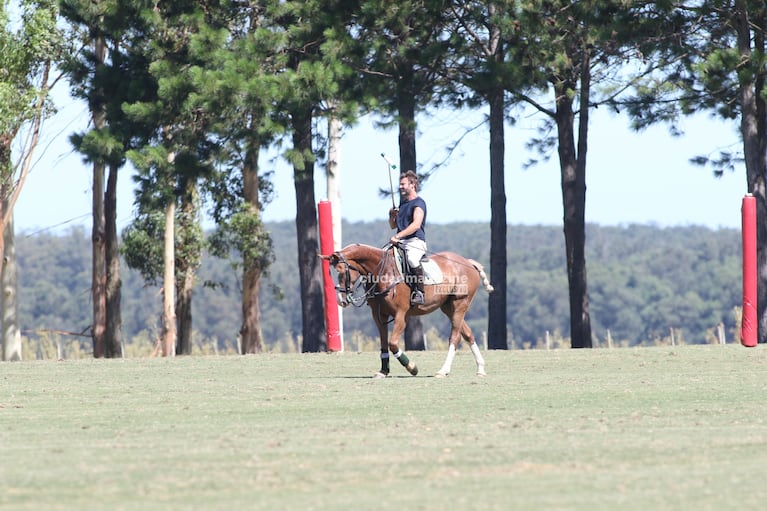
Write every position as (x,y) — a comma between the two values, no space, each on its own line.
(142,252)
(93,63)
(196,121)
(29,49)
(239,81)
(712,57)
(104,72)
(177,153)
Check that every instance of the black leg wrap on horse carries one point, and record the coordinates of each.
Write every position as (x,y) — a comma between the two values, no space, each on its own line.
(385,362)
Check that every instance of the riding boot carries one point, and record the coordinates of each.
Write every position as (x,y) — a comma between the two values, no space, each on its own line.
(417,297)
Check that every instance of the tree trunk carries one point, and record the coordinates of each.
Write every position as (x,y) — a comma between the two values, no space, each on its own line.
(413,334)
(573,168)
(250,329)
(10,304)
(98,234)
(7,341)
(754,134)
(99,272)
(184,313)
(113,326)
(186,267)
(497,329)
(10,188)
(309,267)
(168,288)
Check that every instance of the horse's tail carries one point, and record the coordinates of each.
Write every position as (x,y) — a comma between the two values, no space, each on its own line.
(485,281)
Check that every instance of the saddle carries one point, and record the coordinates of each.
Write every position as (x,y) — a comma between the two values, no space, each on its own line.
(432,274)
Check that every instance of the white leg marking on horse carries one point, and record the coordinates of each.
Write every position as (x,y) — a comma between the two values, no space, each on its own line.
(445,370)
(479,359)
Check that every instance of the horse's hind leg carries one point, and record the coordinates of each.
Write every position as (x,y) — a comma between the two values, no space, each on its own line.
(478,358)
(467,335)
(448,364)
(456,332)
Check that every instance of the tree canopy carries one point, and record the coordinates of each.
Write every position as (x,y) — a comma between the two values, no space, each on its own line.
(191,92)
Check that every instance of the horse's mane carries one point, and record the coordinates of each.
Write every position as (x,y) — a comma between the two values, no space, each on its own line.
(356,250)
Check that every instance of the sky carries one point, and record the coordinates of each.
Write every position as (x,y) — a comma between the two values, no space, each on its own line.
(631,178)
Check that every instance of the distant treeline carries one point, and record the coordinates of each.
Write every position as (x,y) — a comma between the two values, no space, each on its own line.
(646,284)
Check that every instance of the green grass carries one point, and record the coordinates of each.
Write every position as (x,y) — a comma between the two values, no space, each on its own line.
(648,428)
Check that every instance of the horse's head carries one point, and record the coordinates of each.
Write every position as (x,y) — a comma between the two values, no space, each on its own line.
(352,279)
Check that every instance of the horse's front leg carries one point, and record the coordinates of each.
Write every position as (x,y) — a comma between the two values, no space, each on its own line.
(382,322)
(478,358)
(397,330)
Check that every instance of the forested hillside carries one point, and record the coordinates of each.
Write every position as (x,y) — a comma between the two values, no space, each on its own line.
(643,282)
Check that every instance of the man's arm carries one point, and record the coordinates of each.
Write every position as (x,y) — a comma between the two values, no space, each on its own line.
(410,229)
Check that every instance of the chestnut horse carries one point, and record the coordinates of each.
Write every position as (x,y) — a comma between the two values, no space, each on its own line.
(371,275)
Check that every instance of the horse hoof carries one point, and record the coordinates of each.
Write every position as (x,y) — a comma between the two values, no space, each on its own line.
(412,369)
(379,376)
(441,375)
(481,374)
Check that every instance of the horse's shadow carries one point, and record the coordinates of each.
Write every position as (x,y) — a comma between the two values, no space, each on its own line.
(390,377)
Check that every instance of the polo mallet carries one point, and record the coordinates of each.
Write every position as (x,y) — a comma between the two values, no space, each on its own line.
(391,183)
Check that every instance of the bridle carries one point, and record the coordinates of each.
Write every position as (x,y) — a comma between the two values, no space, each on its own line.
(364,288)
(351,294)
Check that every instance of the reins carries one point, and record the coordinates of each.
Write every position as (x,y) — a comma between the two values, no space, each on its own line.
(370,291)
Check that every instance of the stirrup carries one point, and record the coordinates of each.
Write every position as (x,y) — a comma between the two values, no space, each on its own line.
(416,297)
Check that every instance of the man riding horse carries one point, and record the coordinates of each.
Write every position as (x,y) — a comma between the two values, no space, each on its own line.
(372,276)
(410,221)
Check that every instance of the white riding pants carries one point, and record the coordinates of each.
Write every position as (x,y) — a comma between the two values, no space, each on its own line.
(415,249)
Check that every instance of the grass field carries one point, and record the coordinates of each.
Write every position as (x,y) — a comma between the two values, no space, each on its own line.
(621,429)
